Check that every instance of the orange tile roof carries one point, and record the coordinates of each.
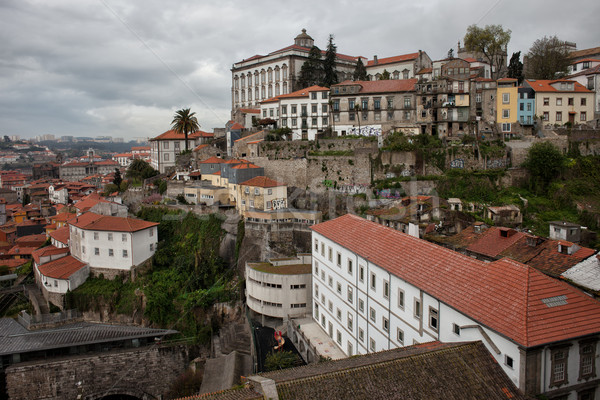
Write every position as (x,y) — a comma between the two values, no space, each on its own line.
(543,85)
(21,250)
(236,126)
(250,110)
(584,52)
(245,166)
(212,160)
(298,93)
(61,235)
(95,222)
(391,60)
(62,217)
(262,181)
(385,86)
(62,268)
(172,135)
(510,298)
(425,71)
(13,263)
(48,251)
(201,146)
(249,136)
(90,201)
(491,242)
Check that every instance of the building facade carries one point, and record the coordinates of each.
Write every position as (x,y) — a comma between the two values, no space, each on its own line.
(165,147)
(368,298)
(507,99)
(562,101)
(404,66)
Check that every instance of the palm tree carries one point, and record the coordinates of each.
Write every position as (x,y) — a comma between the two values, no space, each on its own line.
(185,122)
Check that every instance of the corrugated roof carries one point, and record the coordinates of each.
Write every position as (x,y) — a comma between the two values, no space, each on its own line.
(504,295)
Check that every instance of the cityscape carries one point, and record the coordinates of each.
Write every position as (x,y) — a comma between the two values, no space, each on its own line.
(420,224)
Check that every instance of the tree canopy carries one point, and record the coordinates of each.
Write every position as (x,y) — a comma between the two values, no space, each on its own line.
(185,122)
(515,67)
(548,58)
(385,75)
(491,42)
(544,162)
(330,72)
(311,72)
(360,71)
(140,170)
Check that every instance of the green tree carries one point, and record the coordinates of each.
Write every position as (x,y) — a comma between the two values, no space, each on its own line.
(360,71)
(139,170)
(385,75)
(185,122)
(548,58)
(117,179)
(490,41)
(544,163)
(330,71)
(280,360)
(515,67)
(311,72)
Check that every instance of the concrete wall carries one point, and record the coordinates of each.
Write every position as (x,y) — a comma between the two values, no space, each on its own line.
(145,373)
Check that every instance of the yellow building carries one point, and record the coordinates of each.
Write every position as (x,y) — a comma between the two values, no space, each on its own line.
(507,99)
(261,193)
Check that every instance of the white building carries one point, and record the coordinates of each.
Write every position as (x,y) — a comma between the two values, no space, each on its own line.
(165,147)
(111,245)
(404,66)
(375,288)
(279,288)
(58,194)
(305,111)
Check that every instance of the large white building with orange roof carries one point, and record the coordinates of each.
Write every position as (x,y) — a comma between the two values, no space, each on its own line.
(259,77)
(375,288)
(165,147)
(305,111)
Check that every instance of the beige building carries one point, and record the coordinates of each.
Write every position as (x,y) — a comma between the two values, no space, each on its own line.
(560,101)
(261,193)
(203,192)
(370,108)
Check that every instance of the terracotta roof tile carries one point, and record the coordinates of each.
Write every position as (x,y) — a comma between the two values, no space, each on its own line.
(95,222)
(212,160)
(385,86)
(48,251)
(262,181)
(453,278)
(172,135)
(541,85)
(61,234)
(391,60)
(62,268)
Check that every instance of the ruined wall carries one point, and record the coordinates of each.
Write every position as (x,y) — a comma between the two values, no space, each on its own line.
(145,373)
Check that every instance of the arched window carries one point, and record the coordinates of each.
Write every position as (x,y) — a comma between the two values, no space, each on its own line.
(270,75)
(277,74)
(270,91)
(285,88)
(284,71)
(277,89)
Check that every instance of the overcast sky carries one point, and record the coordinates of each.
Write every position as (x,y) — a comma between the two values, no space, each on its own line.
(121,68)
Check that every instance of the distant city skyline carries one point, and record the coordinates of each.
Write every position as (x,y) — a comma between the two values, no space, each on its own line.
(122,68)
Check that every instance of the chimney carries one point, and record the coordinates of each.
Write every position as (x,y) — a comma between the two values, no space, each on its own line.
(375,60)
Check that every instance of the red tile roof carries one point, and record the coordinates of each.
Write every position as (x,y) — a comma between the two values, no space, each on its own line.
(201,146)
(510,298)
(62,268)
(250,110)
(95,222)
(90,201)
(298,93)
(491,242)
(245,166)
(262,181)
(61,235)
(172,135)
(385,86)
(306,50)
(391,60)
(48,251)
(425,71)
(236,126)
(584,52)
(542,85)
(212,160)
(12,263)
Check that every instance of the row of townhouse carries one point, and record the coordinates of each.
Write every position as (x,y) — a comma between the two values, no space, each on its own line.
(375,289)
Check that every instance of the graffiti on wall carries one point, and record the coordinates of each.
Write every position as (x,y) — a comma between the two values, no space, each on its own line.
(278,204)
(365,131)
(498,163)
(457,163)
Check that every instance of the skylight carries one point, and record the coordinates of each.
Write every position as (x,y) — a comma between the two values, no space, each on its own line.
(555,301)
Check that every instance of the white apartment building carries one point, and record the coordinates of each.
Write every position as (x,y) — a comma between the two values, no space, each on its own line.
(112,244)
(165,147)
(375,289)
(305,111)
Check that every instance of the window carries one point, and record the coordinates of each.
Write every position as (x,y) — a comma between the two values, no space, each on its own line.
(124,253)
(583,116)
(583,101)
(386,289)
(339,288)
(96,251)
(570,101)
(166,157)
(151,246)
(83,249)
(417,308)
(505,98)
(323,322)
(361,305)
(350,104)
(330,254)
(361,335)
(546,116)
(505,113)
(330,306)
(373,277)
(256,191)
(385,323)
(522,107)
(559,366)
(456,329)
(294,109)
(401,299)
(400,336)
(351,116)
(377,104)
(508,361)
(323,95)
(124,237)
(350,350)
(407,102)
(587,357)
(546,101)
(390,103)
(350,294)
(478,98)
(372,314)
(372,344)
(350,322)
(96,236)
(433,319)
(528,106)
(283,110)
(110,236)
(361,273)
(323,249)
(111,253)
(365,104)
(506,127)
(323,108)
(559,101)
(316,246)
(339,260)
(350,267)
(316,290)
(338,313)
(313,95)
(558,116)
(330,281)
(339,337)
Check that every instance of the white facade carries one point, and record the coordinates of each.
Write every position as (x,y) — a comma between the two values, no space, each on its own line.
(365,308)
(58,195)
(113,249)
